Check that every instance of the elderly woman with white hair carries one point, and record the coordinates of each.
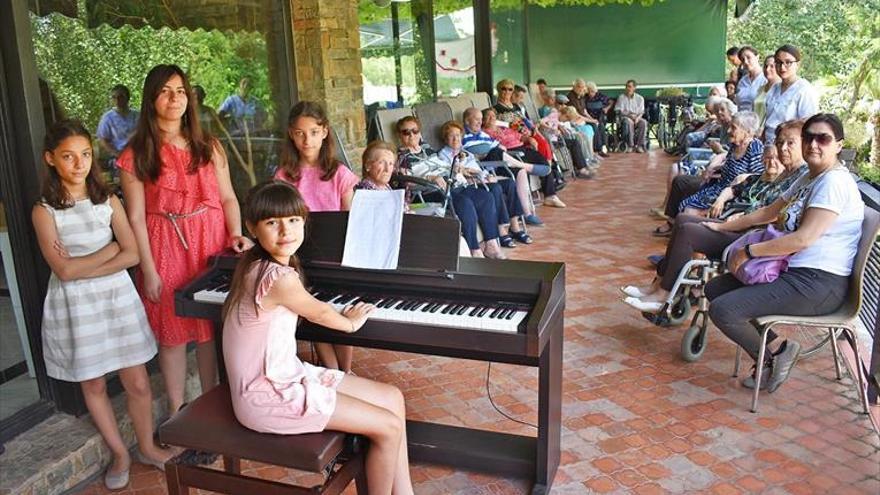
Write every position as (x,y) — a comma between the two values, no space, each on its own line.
(744,157)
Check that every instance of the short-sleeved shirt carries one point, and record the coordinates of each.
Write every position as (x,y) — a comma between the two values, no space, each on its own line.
(630,105)
(117,128)
(747,90)
(322,195)
(243,113)
(833,190)
(799,101)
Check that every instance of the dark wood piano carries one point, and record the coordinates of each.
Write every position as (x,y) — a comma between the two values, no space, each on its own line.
(435,304)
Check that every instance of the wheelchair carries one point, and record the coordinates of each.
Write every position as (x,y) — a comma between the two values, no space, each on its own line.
(687,293)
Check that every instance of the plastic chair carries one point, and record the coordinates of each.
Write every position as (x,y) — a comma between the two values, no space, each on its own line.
(843,320)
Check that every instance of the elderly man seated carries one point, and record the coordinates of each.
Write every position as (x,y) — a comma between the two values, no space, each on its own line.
(631,107)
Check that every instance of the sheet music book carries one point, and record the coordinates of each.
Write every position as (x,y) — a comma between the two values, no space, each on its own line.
(372,237)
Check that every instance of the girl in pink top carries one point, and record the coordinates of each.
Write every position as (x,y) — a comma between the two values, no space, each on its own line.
(308,161)
(272,390)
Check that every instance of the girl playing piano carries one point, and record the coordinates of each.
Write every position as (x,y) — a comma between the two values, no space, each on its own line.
(308,161)
(272,390)
(93,321)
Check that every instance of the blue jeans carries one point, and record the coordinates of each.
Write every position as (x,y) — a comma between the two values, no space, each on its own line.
(475,206)
(507,202)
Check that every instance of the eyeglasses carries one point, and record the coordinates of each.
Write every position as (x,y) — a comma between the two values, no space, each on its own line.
(821,138)
(506,88)
(785,63)
(409,132)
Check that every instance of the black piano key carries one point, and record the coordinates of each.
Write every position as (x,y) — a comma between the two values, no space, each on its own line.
(401,304)
(474,311)
(435,308)
(495,313)
(427,307)
(386,302)
(446,309)
(505,314)
(483,311)
(408,305)
(510,314)
(462,309)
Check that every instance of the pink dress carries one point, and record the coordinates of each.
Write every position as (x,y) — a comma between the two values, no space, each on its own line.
(321,195)
(272,390)
(179,192)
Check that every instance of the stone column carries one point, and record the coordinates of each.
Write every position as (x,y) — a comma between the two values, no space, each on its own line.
(328,65)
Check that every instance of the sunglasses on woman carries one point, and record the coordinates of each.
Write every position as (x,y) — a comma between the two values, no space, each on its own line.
(822,138)
(409,132)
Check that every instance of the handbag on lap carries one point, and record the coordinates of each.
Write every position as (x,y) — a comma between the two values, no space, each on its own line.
(763,269)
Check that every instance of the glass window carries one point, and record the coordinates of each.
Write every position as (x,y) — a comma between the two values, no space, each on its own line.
(508,35)
(454,59)
(234,53)
(18,384)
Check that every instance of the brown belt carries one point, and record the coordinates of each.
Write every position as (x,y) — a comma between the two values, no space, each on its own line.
(172,217)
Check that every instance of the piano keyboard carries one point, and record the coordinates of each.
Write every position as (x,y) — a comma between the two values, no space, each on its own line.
(420,311)
(216,290)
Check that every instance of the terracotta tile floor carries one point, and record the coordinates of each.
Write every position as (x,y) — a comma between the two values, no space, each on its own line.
(636,418)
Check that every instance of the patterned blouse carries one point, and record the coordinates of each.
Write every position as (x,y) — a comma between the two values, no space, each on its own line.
(749,163)
(754,193)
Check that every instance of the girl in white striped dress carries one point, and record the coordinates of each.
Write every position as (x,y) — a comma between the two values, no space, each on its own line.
(93,320)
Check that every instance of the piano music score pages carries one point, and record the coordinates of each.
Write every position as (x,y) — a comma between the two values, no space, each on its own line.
(375,223)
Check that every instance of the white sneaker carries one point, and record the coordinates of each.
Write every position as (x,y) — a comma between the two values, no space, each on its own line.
(645,307)
(632,291)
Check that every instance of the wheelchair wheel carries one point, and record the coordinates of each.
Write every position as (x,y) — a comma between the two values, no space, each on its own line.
(681,310)
(693,343)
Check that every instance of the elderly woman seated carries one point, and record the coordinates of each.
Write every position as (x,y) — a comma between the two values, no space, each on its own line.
(485,148)
(744,157)
(467,172)
(553,124)
(749,193)
(579,159)
(821,216)
(696,194)
(515,141)
(379,160)
(508,111)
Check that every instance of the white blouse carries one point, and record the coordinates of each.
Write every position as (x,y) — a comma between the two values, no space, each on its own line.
(799,101)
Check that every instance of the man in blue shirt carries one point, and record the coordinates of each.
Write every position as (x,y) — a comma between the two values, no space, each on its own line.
(116,127)
(242,112)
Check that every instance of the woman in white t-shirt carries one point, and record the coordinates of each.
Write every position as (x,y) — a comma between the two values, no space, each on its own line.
(822,215)
(792,97)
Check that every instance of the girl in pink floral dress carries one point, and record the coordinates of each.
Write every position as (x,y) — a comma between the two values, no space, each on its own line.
(182,208)
(272,390)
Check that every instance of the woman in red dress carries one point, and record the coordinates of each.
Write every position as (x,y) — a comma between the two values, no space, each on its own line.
(182,207)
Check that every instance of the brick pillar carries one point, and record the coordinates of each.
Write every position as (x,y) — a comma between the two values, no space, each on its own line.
(328,65)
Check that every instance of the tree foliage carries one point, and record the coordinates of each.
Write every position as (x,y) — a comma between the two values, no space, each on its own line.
(369,12)
(840,42)
(81,64)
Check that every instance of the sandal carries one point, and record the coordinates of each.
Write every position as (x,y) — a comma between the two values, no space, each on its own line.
(506,241)
(522,237)
(662,231)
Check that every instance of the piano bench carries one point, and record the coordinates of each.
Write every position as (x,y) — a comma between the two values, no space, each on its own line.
(208,424)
